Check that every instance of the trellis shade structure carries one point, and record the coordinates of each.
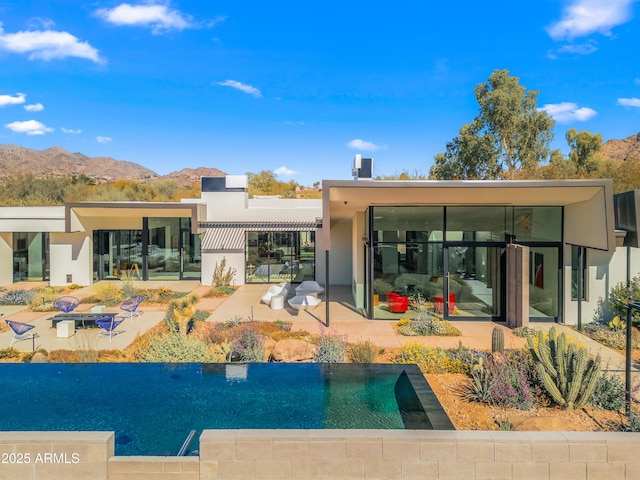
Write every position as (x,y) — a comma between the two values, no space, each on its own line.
(231,235)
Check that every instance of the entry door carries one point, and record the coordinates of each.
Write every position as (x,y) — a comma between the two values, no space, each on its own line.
(475,283)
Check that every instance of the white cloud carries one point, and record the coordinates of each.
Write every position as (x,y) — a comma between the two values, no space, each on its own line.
(360,144)
(36,107)
(579,49)
(30,127)
(100,139)
(158,17)
(566,112)
(283,170)
(629,102)
(9,100)
(70,131)
(47,45)
(248,89)
(584,17)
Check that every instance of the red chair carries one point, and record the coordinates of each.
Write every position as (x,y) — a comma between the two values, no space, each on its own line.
(438,303)
(397,303)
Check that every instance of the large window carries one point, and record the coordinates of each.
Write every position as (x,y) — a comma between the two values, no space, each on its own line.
(453,258)
(273,257)
(578,272)
(30,256)
(165,249)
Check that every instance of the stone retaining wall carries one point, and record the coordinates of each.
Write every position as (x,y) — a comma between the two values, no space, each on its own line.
(331,454)
(401,454)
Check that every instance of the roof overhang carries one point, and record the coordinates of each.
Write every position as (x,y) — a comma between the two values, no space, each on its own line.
(342,199)
(74,212)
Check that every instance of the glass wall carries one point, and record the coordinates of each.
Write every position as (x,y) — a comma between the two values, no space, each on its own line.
(452,259)
(165,249)
(544,278)
(30,256)
(274,257)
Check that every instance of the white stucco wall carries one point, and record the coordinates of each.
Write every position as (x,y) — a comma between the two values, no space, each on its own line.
(340,256)
(234,259)
(6,258)
(71,253)
(605,270)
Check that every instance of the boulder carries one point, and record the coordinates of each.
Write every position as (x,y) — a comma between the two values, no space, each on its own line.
(39,357)
(293,350)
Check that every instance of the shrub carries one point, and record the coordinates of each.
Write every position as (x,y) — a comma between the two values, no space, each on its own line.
(525,332)
(222,276)
(16,297)
(180,314)
(633,422)
(128,279)
(173,347)
(10,352)
(331,349)
(220,291)
(249,345)
(609,393)
(432,360)
(105,293)
(620,295)
(427,324)
(502,381)
(363,352)
(233,322)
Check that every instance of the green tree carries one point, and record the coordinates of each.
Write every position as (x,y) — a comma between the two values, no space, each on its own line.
(508,134)
(584,145)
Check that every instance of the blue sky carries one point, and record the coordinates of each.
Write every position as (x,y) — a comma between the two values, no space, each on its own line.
(300,87)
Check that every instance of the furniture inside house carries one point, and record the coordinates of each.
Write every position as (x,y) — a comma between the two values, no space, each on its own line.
(21,331)
(131,306)
(397,303)
(438,303)
(108,325)
(66,303)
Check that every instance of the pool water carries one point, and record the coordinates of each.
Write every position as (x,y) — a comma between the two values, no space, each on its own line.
(153,407)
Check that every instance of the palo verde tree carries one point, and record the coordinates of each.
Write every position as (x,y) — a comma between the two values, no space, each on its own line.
(584,145)
(509,133)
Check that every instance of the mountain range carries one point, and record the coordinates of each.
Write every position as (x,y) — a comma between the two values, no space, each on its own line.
(57,161)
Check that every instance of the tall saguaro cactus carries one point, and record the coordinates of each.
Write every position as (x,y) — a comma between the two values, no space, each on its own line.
(566,370)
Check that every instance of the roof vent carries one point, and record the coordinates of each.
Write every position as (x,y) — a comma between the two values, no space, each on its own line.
(362,168)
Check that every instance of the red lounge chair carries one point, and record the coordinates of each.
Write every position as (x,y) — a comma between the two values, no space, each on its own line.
(397,303)
(438,303)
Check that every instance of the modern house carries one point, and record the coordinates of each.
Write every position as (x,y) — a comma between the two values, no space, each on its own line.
(501,250)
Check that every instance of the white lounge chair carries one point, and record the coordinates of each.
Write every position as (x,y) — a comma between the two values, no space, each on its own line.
(304,302)
(274,290)
(309,287)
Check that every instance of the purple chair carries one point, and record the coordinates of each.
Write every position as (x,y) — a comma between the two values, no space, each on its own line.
(108,326)
(130,305)
(21,331)
(66,304)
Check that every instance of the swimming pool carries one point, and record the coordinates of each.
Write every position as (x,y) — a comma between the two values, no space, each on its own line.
(153,407)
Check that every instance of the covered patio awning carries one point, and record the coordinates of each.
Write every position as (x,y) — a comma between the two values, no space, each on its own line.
(231,235)
(588,204)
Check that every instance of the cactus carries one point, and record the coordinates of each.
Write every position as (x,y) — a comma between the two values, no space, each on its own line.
(566,371)
(497,340)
